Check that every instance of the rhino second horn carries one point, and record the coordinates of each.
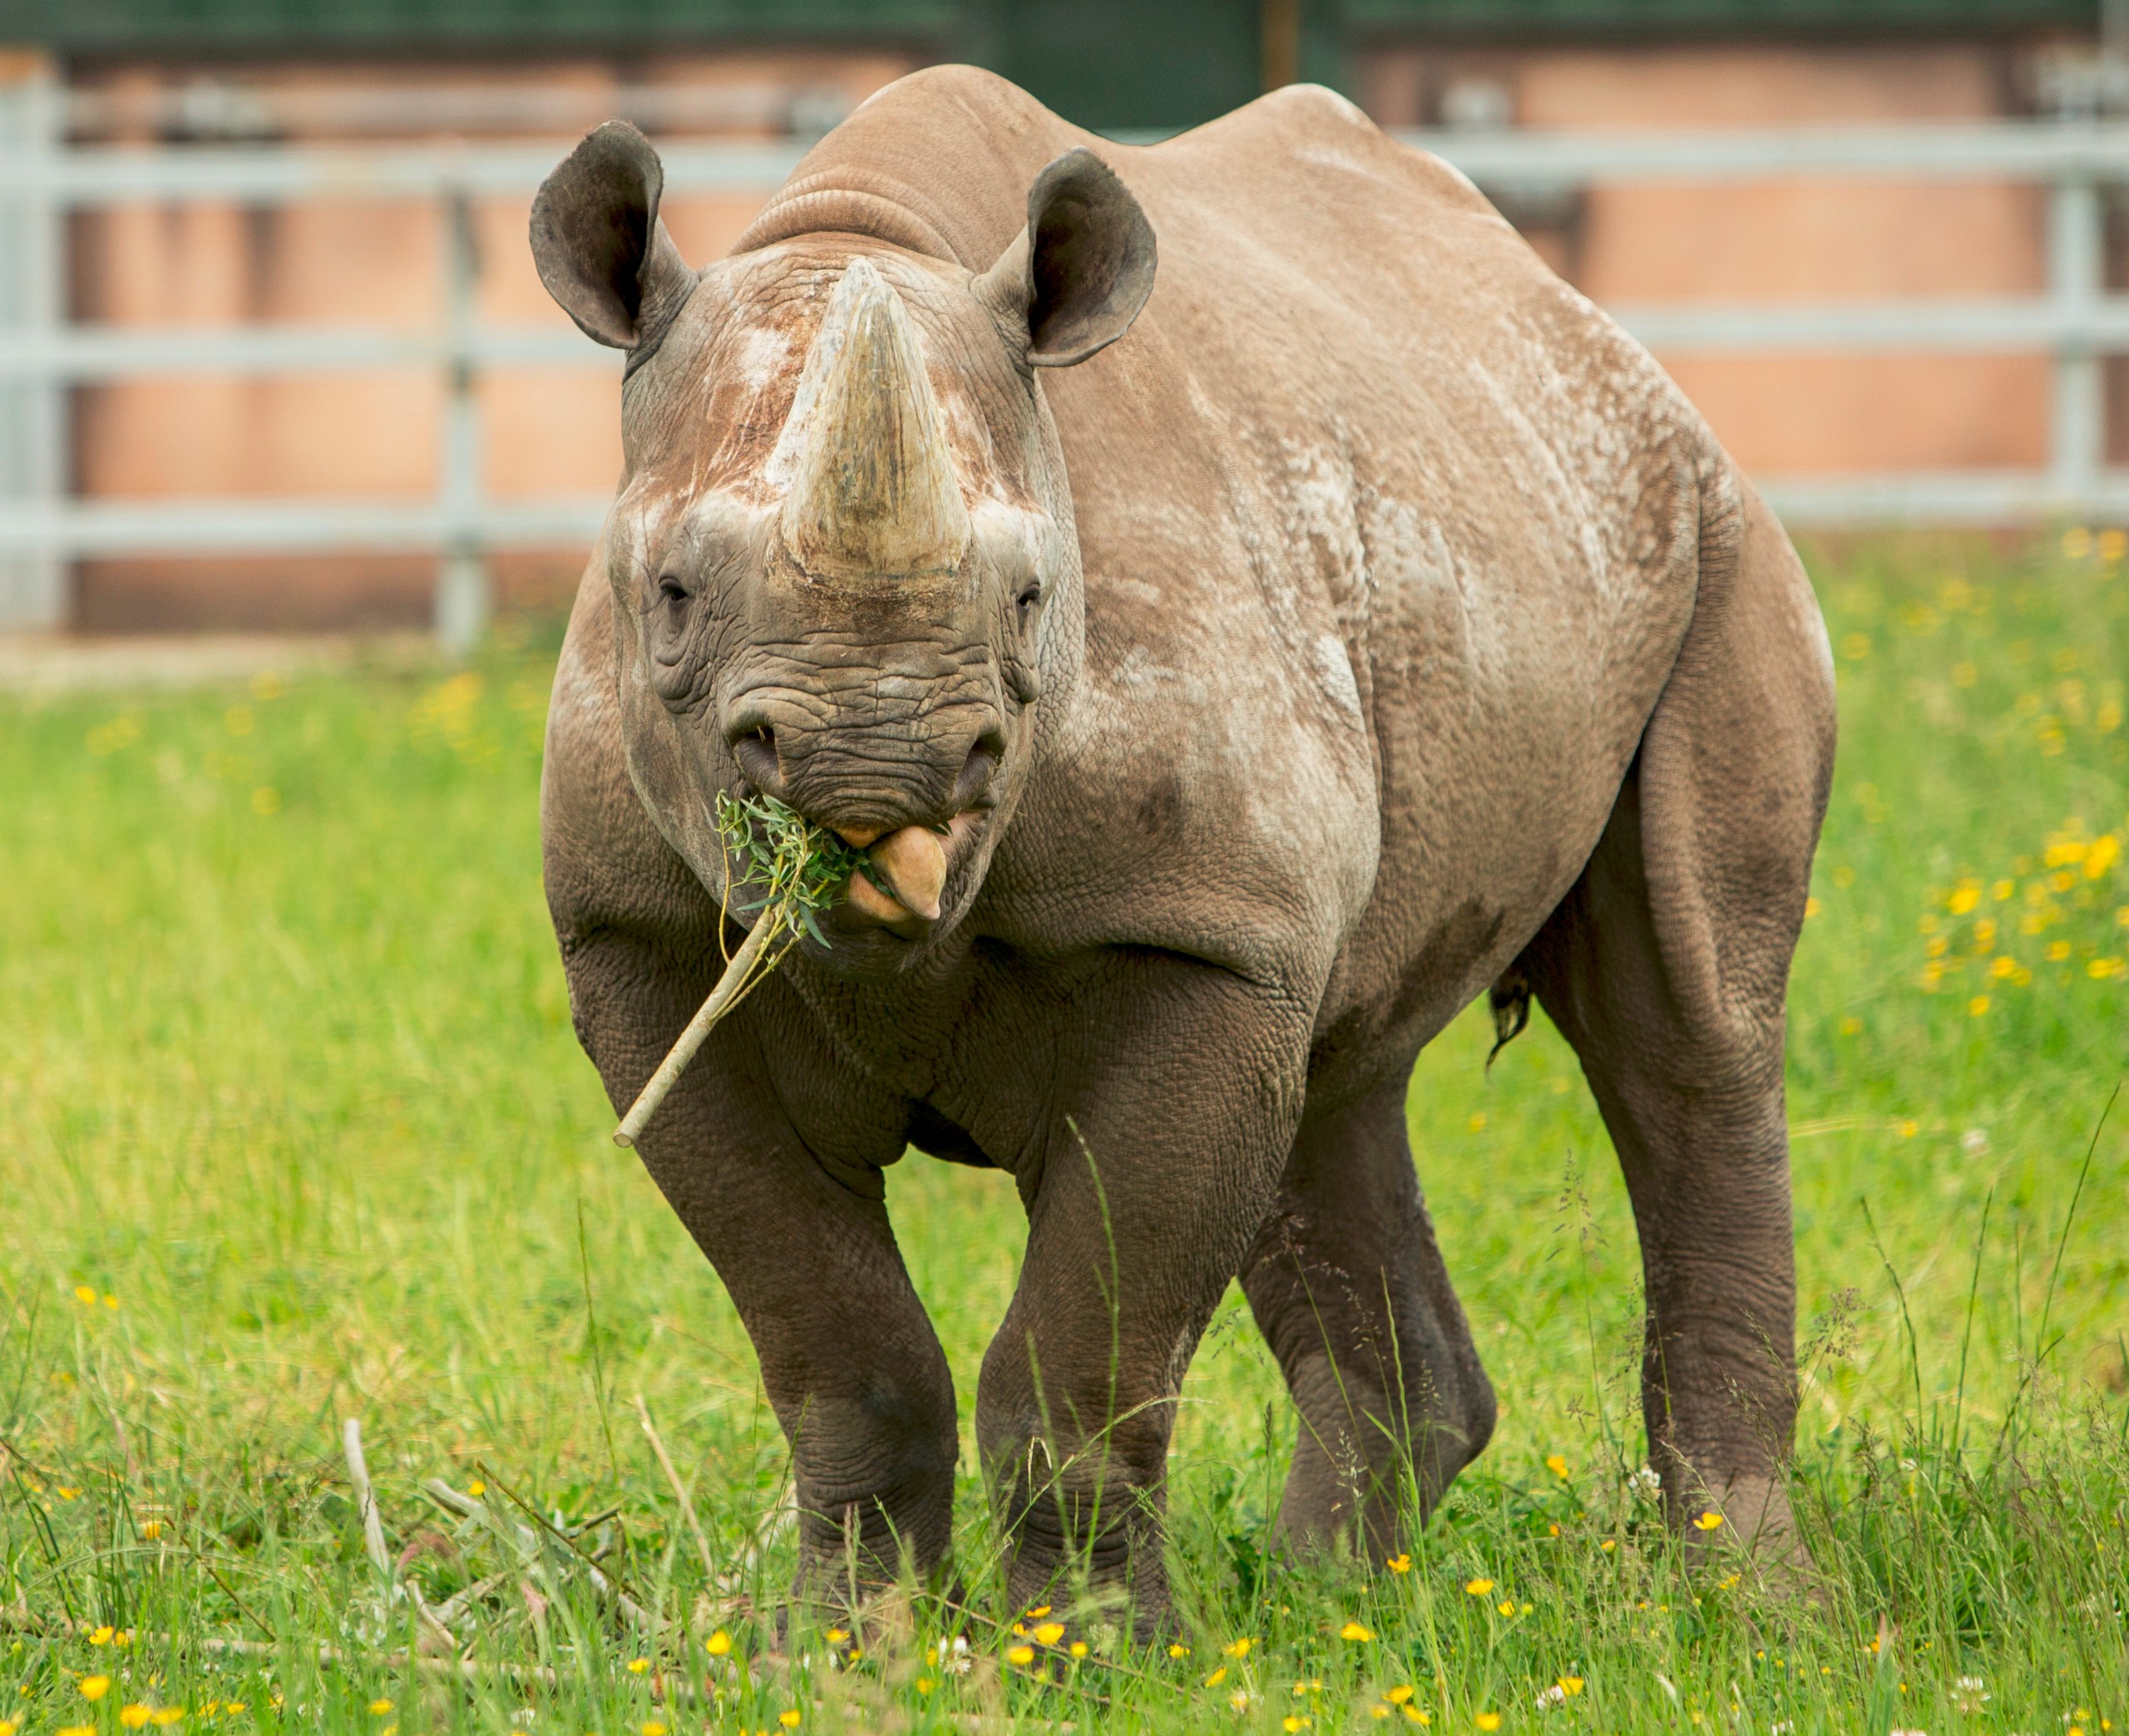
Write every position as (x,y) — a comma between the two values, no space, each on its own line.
(873,494)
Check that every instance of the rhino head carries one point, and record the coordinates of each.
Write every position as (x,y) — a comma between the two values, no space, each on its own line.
(842,559)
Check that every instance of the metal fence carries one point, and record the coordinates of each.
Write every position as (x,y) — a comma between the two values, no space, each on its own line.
(43,527)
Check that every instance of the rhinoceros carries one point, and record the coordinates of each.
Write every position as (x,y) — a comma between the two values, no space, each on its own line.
(1232,670)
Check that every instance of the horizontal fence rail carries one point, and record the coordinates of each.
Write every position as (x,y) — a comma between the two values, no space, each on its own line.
(2076,321)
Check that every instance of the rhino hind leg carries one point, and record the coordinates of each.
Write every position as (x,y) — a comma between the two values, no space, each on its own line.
(1666,968)
(1348,1286)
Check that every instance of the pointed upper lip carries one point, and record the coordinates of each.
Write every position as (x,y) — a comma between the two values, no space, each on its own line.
(901,886)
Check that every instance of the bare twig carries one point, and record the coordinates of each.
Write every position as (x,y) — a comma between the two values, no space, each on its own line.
(737,978)
(629,1607)
(351,1443)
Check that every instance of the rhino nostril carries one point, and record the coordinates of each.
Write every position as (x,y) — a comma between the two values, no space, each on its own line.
(976,772)
(756,753)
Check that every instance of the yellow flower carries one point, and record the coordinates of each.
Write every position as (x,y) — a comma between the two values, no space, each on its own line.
(1478,1123)
(1022,1655)
(476,1488)
(1978,1006)
(1399,1563)
(167,1715)
(653,1728)
(7,1727)
(1570,1685)
(1505,1607)
(789,1720)
(637,1665)
(380,1707)
(718,1644)
(836,1637)
(1240,1649)
(152,1530)
(2058,951)
(1216,1677)
(94,1688)
(235,1709)
(1178,1651)
(1049,1633)
(1291,1723)
(101,1636)
(924,1684)
(63,1492)
(1378,1711)
(1488,1720)
(1398,1695)
(133,1716)
(1419,1715)
(1478,1587)
(77,1730)
(1811,907)
(1708,1521)
(1079,1648)
(1038,1611)
(1557,1464)
(1354,1631)
(1608,1545)
(85,1296)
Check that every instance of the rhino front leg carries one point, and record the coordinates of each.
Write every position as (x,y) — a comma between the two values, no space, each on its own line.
(1180,1087)
(1348,1286)
(848,1356)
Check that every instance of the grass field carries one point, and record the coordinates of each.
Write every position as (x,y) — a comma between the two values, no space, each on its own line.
(293,1128)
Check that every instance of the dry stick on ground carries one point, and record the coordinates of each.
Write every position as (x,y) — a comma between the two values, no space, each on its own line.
(680,1490)
(351,1443)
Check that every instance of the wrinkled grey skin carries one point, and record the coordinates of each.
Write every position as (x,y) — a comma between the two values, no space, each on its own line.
(1372,625)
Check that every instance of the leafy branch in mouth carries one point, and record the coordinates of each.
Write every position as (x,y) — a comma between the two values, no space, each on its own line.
(799,870)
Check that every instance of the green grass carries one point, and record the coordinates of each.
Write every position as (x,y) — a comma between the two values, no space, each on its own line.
(286,1074)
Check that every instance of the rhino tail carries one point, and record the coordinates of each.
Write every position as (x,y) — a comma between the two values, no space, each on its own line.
(1509,998)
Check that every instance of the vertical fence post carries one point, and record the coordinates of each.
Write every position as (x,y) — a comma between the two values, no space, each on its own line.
(461,582)
(2075,283)
(32,407)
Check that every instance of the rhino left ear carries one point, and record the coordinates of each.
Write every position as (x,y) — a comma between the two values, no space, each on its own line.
(601,251)
(1076,276)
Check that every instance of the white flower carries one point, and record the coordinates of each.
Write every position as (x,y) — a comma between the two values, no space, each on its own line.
(1974,1141)
(957,1660)
(1553,1696)
(1644,1483)
(1970,1694)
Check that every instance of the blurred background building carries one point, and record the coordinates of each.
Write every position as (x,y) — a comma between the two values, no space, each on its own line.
(168,173)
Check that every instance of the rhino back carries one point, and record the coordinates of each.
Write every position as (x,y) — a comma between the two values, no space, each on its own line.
(1388,537)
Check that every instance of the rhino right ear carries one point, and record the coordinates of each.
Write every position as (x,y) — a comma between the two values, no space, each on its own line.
(1076,276)
(601,251)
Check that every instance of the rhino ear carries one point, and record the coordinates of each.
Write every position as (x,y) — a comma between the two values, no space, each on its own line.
(601,251)
(1077,276)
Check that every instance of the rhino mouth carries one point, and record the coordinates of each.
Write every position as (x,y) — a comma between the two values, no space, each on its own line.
(908,881)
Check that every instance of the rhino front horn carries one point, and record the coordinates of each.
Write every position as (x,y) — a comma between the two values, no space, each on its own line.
(873,492)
